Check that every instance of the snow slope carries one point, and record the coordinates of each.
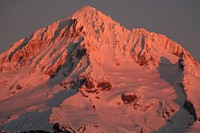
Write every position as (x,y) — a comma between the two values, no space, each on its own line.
(89,74)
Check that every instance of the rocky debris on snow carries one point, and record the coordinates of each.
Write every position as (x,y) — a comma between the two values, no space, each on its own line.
(89,84)
(59,129)
(166,111)
(96,86)
(105,86)
(129,98)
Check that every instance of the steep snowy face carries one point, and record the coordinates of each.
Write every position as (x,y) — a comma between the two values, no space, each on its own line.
(97,31)
(24,52)
(145,47)
(86,72)
(190,84)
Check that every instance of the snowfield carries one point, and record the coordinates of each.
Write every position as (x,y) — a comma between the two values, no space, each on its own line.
(86,74)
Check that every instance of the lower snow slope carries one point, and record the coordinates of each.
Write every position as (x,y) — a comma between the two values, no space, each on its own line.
(129,98)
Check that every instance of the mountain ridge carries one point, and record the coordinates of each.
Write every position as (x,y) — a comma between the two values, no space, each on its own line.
(90,57)
(37,37)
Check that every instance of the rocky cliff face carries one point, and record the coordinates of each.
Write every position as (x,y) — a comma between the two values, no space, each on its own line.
(86,72)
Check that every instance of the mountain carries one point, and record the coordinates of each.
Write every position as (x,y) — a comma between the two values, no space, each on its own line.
(86,73)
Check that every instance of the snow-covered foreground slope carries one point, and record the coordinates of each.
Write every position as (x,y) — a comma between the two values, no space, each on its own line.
(86,73)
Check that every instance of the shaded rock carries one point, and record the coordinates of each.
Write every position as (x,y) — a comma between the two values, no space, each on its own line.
(190,108)
(59,129)
(181,62)
(77,83)
(89,84)
(18,87)
(81,52)
(129,98)
(106,86)
(56,127)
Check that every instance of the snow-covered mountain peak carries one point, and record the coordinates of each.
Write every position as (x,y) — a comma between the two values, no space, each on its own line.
(89,15)
(86,9)
(84,73)
(94,21)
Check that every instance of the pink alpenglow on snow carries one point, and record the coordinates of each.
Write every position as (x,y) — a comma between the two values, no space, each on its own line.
(86,73)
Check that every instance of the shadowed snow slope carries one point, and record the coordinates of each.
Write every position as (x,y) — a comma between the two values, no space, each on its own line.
(89,74)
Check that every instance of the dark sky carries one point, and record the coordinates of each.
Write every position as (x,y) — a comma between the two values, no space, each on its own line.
(177,19)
